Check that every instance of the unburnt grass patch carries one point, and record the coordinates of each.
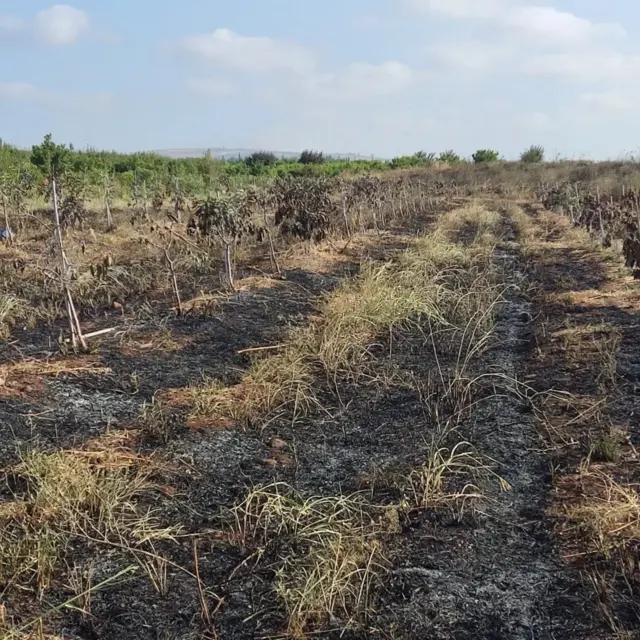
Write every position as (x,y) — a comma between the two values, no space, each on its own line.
(444,284)
(330,557)
(66,506)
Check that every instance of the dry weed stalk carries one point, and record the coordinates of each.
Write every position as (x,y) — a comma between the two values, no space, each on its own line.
(437,483)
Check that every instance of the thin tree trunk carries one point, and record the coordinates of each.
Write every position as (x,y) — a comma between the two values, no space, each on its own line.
(272,251)
(345,216)
(176,205)
(380,210)
(8,231)
(107,208)
(74,323)
(174,282)
(228,265)
(145,204)
(375,220)
(110,225)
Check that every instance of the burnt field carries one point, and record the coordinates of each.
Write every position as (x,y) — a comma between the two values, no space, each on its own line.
(398,407)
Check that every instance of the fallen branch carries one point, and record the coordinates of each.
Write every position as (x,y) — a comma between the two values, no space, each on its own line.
(256,349)
(94,334)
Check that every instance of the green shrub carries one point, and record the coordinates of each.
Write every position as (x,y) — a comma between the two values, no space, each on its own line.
(485,155)
(311,157)
(419,159)
(51,158)
(261,159)
(450,157)
(535,153)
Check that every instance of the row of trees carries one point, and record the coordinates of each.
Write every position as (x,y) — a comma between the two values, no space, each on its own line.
(196,175)
(533,154)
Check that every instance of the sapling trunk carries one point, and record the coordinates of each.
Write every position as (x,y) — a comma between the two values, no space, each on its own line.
(228,264)
(107,206)
(177,209)
(8,231)
(272,251)
(145,204)
(174,282)
(110,225)
(345,217)
(74,324)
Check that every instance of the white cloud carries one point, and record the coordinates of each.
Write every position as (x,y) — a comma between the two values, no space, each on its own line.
(361,80)
(530,38)
(609,101)
(213,88)
(544,25)
(550,26)
(587,67)
(17,91)
(61,24)
(25,92)
(58,25)
(472,56)
(10,26)
(224,48)
(460,9)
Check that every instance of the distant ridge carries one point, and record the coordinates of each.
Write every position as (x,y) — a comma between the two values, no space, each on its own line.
(232,154)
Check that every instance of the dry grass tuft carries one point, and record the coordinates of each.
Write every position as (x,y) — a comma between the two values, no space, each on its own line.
(471,225)
(272,385)
(607,357)
(367,308)
(13,311)
(71,495)
(454,478)
(608,514)
(522,223)
(329,557)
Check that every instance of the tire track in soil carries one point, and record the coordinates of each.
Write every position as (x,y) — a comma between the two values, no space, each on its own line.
(497,576)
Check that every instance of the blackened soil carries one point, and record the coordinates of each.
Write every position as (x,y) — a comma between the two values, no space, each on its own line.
(494,573)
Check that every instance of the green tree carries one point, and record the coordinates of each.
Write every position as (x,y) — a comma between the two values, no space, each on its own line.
(228,218)
(51,158)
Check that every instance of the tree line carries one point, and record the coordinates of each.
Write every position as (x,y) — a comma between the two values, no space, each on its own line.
(128,172)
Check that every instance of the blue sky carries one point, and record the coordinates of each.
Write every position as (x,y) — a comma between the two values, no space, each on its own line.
(382,77)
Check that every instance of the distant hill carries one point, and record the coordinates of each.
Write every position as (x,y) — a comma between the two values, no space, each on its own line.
(228,154)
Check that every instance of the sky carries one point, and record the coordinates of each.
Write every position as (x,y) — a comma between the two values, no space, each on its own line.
(379,77)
